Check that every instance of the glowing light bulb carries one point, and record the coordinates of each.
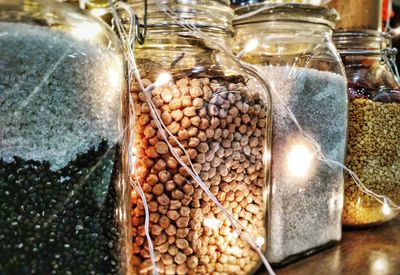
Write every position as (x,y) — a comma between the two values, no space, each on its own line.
(162,79)
(358,202)
(211,222)
(86,31)
(379,265)
(134,159)
(386,208)
(267,156)
(98,12)
(113,77)
(197,69)
(251,45)
(238,252)
(260,241)
(82,4)
(299,160)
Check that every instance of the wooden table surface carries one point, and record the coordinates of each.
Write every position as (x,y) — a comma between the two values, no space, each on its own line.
(372,251)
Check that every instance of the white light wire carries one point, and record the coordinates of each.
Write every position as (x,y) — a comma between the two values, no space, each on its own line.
(243,232)
(128,40)
(260,10)
(318,151)
(384,200)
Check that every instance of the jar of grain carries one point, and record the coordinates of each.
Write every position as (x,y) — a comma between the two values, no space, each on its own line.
(64,191)
(296,54)
(373,151)
(220,117)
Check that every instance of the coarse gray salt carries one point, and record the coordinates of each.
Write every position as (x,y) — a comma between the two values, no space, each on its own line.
(55,95)
(306,198)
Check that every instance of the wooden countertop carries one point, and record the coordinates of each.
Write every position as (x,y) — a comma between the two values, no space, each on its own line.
(372,251)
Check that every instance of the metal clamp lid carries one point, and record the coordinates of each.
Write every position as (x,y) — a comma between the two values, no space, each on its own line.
(389,58)
(141,29)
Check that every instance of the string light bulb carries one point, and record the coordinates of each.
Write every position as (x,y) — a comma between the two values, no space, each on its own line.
(386,208)
(379,264)
(250,46)
(86,30)
(260,241)
(162,79)
(113,76)
(98,12)
(299,160)
(211,222)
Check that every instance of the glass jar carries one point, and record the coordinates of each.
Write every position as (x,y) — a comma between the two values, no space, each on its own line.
(64,193)
(220,116)
(296,54)
(373,151)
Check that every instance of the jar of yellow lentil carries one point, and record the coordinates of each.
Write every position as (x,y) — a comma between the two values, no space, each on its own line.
(373,151)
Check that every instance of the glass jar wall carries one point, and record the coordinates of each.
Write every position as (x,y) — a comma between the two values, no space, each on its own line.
(296,54)
(222,121)
(373,151)
(64,196)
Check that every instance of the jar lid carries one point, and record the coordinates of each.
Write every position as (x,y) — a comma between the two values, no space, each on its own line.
(208,15)
(361,42)
(284,12)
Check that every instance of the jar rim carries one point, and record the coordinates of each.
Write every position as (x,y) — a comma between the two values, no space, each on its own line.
(194,12)
(343,35)
(361,42)
(286,12)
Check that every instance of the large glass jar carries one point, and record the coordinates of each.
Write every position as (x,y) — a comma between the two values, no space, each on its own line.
(64,194)
(373,151)
(222,121)
(296,54)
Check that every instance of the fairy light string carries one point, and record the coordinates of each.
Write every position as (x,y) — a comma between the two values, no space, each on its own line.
(239,228)
(388,204)
(128,39)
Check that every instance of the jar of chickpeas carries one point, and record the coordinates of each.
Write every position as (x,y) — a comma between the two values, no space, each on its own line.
(214,119)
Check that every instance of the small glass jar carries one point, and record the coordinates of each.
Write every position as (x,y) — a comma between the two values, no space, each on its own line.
(220,115)
(296,54)
(64,190)
(373,151)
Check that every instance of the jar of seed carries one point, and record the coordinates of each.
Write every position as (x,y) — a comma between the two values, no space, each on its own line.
(214,119)
(64,191)
(373,151)
(296,54)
